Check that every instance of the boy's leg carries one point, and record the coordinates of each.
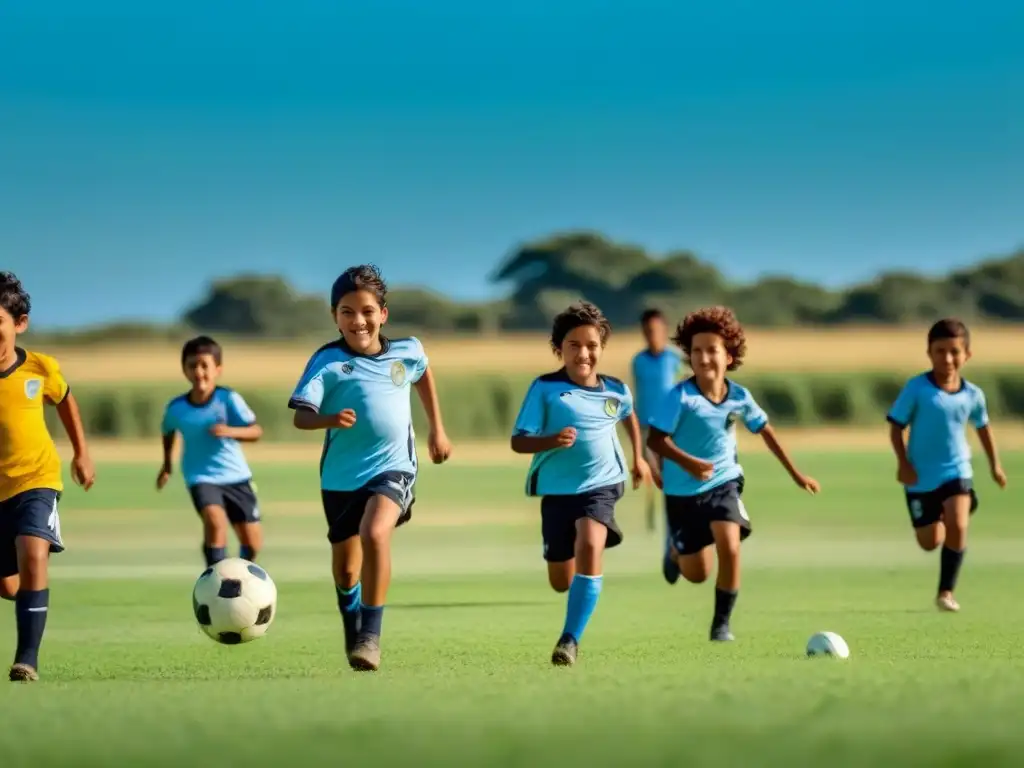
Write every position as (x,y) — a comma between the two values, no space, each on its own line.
(31,605)
(243,513)
(727,546)
(696,567)
(378,524)
(344,510)
(926,516)
(215,533)
(9,581)
(584,590)
(957,516)
(250,540)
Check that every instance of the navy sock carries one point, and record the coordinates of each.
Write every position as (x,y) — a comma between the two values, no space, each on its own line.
(583,594)
(214,555)
(350,605)
(725,600)
(247,553)
(371,620)
(30,609)
(949,569)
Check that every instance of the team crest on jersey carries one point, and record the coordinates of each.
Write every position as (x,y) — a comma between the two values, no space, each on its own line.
(611,406)
(347,368)
(730,420)
(398,373)
(32,388)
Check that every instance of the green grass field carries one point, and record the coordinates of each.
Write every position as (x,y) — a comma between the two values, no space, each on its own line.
(128,679)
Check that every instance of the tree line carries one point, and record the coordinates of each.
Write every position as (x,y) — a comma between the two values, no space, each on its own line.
(545,276)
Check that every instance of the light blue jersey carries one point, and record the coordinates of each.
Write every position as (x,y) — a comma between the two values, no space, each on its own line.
(205,458)
(553,403)
(707,431)
(653,376)
(377,388)
(938,447)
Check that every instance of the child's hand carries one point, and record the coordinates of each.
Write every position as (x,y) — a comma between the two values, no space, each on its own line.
(566,438)
(702,470)
(162,478)
(345,419)
(907,474)
(999,476)
(220,430)
(641,473)
(656,477)
(809,484)
(438,445)
(82,471)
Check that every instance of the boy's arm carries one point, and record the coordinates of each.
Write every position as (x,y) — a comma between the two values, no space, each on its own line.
(540,443)
(772,441)
(661,444)
(635,438)
(437,441)
(82,469)
(168,439)
(308,419)
(988,442)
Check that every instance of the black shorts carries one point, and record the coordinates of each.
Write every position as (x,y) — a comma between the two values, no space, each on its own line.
(558,516)
(690,517)
(344,509)
(30,513)
(238,500)
(926,508)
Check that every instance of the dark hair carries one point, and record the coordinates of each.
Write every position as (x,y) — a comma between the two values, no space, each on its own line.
(718,320)
(201,345)
(365,277)
(13,297)
(576,316)
(651,314)
(949,328)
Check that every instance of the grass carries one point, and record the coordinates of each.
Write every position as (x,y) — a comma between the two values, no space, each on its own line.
(128,679)
(786,351)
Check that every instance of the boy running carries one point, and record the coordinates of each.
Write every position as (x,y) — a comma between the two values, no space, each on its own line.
(357,389)
(935,467)
(694,427)
(212,422)
(568,422)
(30,475)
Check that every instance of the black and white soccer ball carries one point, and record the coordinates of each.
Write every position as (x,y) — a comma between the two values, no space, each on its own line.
(234,601)
(828,644)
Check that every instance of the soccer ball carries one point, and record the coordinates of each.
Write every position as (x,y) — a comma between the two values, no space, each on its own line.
(234,601)
(827,644)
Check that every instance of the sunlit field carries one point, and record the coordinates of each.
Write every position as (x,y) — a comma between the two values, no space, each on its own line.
(466,679)
(845,349)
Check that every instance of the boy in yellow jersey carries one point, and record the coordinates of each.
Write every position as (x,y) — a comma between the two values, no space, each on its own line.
(30,476)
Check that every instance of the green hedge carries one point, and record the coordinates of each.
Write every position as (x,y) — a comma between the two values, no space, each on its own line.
(478,407)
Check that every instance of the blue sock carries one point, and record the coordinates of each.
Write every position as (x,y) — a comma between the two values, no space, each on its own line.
(371,620)
(214,555)
(350,605)
(247,553)
(30,609)
(583,594)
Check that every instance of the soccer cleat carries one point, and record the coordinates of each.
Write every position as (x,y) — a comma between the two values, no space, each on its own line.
(669,566)
(947,603)
(365,654)
(23,673)
(720,634)
(565,651)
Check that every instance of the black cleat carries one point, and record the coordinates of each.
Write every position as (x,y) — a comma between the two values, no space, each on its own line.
(565,651)
(720,634)
(23,673)
(669,567)
(365,654)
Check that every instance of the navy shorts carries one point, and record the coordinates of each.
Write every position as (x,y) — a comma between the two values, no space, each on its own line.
(690,517)
(559,513)
(344,509)
(30,513)
(238,500)
(925,508)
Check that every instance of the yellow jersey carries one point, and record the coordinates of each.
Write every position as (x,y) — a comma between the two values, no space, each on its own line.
(28,457)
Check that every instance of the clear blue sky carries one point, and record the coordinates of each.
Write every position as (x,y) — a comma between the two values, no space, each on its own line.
(147,147)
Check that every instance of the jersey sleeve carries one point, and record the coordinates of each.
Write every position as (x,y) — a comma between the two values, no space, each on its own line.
(419,360)
(979,411)
(239,412)
(754,417)
(668,412)
(902,411)
(627,403)
(532,413)
(312,386)
(55,386)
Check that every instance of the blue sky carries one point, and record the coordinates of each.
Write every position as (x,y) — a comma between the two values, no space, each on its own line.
(146,148)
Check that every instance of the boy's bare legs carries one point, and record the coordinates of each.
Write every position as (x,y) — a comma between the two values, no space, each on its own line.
(375,531)
(346,565)
(956,514)
(215,533)
(727,585)
(32,602)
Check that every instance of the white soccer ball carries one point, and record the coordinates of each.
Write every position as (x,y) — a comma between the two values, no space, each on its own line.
(827,644)
(234,601)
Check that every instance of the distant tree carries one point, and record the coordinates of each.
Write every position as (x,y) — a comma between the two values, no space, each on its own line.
(258,305)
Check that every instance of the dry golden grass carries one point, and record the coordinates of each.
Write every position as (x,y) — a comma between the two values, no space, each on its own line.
(784,351)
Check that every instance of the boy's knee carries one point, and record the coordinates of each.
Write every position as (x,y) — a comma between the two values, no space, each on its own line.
(695,577)
(377,534)
(9,588)
(558,583)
